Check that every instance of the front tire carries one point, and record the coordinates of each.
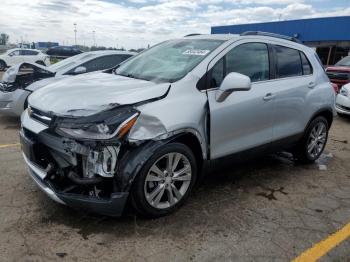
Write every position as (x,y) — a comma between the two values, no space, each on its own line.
(313,142)
(165,181)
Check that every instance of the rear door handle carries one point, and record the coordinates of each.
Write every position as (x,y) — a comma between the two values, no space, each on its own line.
(268,96)
(311,85)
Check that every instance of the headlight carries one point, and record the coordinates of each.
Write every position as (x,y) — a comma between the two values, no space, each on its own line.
(116,125)
(344,91)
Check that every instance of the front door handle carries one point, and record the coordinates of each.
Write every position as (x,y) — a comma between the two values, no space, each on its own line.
(268,96)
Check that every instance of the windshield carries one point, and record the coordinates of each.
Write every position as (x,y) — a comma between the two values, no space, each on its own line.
(344,62)
(71,61)
(169,61)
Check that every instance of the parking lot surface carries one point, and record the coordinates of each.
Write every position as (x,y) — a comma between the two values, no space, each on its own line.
(268,209)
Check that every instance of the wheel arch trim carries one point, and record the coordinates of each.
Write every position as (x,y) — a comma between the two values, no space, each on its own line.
(321,112)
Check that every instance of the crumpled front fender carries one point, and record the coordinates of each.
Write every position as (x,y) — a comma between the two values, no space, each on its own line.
(134,159)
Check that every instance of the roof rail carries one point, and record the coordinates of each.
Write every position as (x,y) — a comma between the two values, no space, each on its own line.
(191,35)
(293,39)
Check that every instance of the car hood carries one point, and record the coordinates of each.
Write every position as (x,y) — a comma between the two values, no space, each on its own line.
(91,93)
(43,82)
(14,71)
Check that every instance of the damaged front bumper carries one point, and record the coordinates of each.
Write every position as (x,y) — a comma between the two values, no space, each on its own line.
(110,207)
(50,163)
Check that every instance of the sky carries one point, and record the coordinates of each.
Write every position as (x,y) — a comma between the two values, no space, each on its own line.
(137,23)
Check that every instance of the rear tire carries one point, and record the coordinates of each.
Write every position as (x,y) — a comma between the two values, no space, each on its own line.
(2,65)
(165,181)
(313,142)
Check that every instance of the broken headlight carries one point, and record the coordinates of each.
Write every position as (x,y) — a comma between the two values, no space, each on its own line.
(116,124)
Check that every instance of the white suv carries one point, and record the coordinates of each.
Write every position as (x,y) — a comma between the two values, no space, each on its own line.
(16,56)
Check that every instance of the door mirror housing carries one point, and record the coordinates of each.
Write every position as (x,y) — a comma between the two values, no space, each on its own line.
(80,70)
(232,82)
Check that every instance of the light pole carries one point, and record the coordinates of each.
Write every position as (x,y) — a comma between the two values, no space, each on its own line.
(75,33)
(93,37)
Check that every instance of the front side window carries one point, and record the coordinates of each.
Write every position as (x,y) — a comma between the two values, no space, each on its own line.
(169,61)
(251,59)
(104,62)
(288,62)
(63,65)
(217,73)
(14,53)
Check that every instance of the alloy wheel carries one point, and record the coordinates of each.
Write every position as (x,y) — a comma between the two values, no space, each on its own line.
(168,180)
(317,140)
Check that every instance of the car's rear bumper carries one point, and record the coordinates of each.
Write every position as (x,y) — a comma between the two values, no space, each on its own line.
(113,206)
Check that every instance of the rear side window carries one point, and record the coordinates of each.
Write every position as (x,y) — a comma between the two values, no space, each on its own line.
(307,69)
(288,62)
(29,52)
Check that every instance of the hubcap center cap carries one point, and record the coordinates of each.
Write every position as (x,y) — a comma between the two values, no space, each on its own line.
(168,180)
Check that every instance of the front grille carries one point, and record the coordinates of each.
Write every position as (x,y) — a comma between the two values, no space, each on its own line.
(343,107)
(7,87)
(338,75)
(40,116)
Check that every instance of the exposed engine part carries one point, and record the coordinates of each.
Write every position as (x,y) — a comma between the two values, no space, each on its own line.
(62,160)
(95,192)
(72,146)
(102,162)
(83,181)
(50,169)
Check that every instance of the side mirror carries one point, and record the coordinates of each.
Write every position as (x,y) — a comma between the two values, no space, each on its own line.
(232,82)
(80,70)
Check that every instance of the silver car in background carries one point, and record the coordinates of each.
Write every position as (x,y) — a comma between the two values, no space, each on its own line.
(21,80)
(145,131)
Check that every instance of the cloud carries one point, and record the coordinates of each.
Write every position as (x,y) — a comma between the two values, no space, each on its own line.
(136,23)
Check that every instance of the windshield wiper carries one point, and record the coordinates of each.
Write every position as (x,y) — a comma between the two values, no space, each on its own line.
(127,75)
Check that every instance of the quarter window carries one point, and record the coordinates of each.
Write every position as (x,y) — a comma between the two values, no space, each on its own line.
(288,62)
(307,69)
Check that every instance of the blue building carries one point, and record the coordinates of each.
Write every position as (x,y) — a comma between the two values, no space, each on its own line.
(330,36)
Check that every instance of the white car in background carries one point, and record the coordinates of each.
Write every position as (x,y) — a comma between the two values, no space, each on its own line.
(18,55)
(343,101)
(17,84)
